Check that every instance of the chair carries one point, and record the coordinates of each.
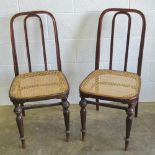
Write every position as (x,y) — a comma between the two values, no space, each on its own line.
(114,85)
(37,85)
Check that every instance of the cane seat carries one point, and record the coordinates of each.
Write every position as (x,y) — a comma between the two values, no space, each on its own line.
(39,84)
(111,83)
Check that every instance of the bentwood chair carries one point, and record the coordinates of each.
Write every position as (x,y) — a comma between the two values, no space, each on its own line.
(114,85)
(37,85)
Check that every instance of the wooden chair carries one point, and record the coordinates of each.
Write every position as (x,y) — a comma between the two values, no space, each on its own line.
(114,85)
(38,85)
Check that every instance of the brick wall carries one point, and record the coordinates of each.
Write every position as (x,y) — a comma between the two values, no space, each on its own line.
(77,27)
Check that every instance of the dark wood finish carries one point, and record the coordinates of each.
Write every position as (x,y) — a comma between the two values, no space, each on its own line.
(127,41)
(19,120)
(97,106)
(83,113)
(42,38)
(66,114)
(106,105)
(132,103)
(19,103)
(136,108)
(129,118)
(23,111)
(27,107)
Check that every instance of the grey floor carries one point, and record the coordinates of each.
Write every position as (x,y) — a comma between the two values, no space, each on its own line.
(44,132)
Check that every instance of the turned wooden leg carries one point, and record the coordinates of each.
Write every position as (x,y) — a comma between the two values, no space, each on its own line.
(130,113)
(19,120)
(23,111)
(66,114)
(136,108)
(83,113)
(97,106)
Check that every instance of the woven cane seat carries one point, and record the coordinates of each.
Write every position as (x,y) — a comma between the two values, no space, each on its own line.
(112,84)
(39,85)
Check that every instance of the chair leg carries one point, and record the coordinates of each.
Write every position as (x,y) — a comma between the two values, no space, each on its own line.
(136,108)
(97,106)
(83,113)
(23,111)
(66,114)
(130,113)
(19,120)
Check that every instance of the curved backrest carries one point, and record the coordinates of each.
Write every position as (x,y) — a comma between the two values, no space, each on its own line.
(27,15)
(127,12)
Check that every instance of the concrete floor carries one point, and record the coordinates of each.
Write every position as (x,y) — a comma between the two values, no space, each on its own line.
(44,132)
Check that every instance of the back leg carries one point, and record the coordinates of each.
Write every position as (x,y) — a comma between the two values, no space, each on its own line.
(136,108)
(97,106)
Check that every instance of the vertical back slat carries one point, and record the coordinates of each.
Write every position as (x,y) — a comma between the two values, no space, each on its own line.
(27,44)
(112,39)
(42,38)
(127,42)
(43,43)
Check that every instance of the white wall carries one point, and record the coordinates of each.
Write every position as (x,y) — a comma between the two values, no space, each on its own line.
(77,26)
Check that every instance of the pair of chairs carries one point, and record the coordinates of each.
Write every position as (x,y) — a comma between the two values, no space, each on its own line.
(101,84)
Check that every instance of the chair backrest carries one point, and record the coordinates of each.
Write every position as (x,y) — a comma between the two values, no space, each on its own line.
(27,15)
(127,12)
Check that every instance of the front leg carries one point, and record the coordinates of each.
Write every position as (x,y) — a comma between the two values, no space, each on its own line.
(83,113)
(136,108)
(19,120)
(130,113)
(66,114)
